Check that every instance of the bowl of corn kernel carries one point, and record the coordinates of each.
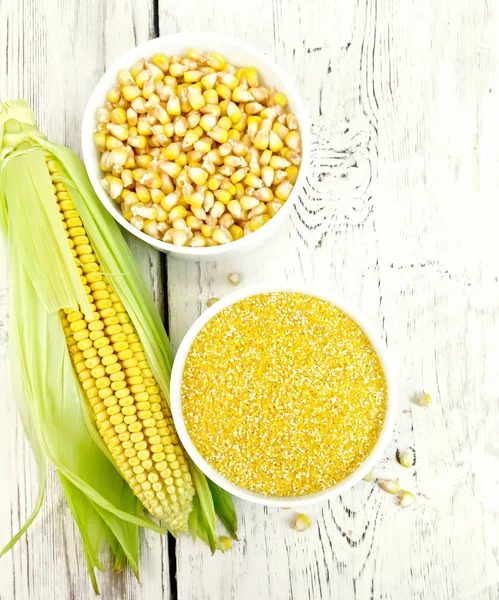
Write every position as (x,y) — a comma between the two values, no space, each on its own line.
(283,396)
(197,144)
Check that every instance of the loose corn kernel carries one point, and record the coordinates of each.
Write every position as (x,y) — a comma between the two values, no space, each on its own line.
(369,476)
(302,522)
(225,543)
(389,485)
(406,498)
(406,458)
(234,278)
(424,400)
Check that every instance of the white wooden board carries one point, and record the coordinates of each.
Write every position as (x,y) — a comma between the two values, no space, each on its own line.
(52,53)
(398,215)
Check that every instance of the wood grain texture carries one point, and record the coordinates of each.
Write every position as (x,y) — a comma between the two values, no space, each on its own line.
(398,216)
(52,53)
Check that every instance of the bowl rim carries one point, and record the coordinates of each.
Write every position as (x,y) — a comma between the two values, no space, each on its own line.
(191,38)
(256,497)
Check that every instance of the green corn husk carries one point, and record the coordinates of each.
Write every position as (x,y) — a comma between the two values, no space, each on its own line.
(55,414)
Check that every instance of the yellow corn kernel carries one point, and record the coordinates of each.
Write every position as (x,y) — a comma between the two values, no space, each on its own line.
(225,543)
(114,94)
(223,91)
(192,76)
(223,195)
(293,141)
(197,175)
(253,181)
(209,81)
(302,522)
(219,134)
(292,174)
(216,60)
(118,115)
(214,183)
(280,99)
(161,61)
(173,105)
(236,232)
(196,98)
(130,92)
(207,230)
(291,121)
(283,190)
(178,212)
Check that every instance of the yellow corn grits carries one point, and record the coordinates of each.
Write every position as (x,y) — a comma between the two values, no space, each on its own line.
(283,394)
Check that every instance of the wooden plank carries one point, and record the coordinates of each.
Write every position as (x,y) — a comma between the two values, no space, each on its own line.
(398,216)
(52,53)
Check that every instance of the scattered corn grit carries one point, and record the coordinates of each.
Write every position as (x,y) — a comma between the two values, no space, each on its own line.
(283,394)
(196,151)
(130,411)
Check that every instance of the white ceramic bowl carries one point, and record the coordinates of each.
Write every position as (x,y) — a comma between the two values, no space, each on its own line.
(239,54)
(282,501)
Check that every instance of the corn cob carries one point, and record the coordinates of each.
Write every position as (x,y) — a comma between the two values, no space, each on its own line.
(130,411)
(105,426)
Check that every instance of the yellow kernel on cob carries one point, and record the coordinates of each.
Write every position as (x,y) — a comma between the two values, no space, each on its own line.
(102,366)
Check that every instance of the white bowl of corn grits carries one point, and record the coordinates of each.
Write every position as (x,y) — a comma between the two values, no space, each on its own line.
(283,396)
(218,237)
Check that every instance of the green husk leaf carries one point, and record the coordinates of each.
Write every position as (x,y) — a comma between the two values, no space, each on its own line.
(31,434)
(206,527)
(120,561)
(90,524)
(44,242)
(126,534)
(118,263)
(55,402)
(193,519)
(62,407)
(224,507)
(121,268)
(48,393)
